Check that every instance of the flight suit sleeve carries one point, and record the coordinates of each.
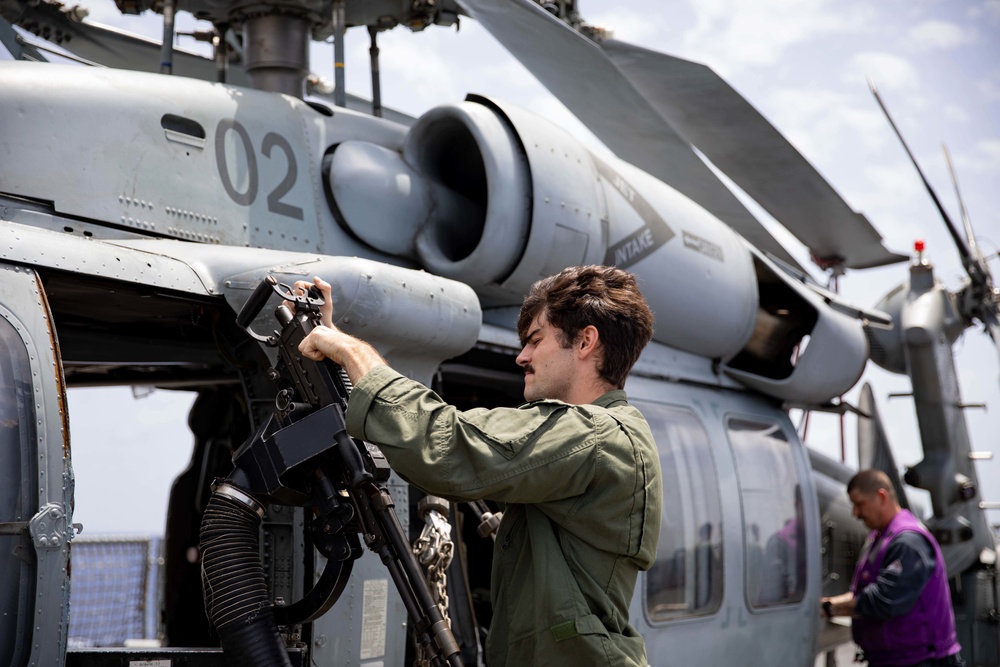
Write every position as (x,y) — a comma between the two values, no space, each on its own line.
(543,451)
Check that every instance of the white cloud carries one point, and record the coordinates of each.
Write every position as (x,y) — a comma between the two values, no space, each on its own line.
(935,35)
(415,75)
(888,186)
(731,34)
(981,160)
(821,122)
(990,9)
(989,89)
(888,70)
(990,148)
(954,114)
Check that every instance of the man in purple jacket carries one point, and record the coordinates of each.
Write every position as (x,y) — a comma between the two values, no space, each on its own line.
(899,598)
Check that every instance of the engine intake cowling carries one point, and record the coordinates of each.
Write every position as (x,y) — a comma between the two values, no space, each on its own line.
(496,197)
(456,199)
(493,196)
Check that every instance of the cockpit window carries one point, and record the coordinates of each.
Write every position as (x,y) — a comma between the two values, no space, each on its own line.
(17,493)
(686,579)
(771,494)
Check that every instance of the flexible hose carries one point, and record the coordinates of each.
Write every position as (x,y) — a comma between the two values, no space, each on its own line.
(233,577)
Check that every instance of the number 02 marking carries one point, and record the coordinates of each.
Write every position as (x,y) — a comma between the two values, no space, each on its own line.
(271,141)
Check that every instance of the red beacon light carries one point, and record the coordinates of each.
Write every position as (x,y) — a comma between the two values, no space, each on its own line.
(918,245)
(918,252)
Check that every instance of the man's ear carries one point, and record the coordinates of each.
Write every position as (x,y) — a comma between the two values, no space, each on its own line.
(588,341)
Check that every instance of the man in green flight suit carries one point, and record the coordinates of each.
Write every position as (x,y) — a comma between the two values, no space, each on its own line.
(576,465)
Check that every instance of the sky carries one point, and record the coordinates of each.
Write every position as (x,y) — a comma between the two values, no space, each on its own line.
(803,64)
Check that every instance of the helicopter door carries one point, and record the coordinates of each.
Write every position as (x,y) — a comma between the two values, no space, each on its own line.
(36,491)
(778,507)
(686,580)
(770,485)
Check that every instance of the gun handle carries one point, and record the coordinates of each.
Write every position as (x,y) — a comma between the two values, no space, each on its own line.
(350,458)
(251,309)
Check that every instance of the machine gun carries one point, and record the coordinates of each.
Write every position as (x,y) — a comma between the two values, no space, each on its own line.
(302,455)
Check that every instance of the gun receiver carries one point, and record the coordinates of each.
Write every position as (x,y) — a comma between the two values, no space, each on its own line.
(302,455)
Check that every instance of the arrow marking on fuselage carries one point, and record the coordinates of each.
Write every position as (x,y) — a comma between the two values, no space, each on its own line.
(640,243)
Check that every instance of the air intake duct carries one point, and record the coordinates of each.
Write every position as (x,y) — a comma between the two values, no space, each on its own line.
(233,577)
(456,199)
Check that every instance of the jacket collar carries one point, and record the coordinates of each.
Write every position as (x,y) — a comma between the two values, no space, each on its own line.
(612,397)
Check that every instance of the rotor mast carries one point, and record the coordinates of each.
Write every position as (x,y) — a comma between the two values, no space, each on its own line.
(276,34)
(276,52)
(167,48)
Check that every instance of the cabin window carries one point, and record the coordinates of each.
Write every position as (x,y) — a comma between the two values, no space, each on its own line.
(686,579)
(17,493)
(771,495)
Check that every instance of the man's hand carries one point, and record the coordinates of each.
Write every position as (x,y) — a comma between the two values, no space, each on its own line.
(841,605)
(327,341)
(325,290)
(324,343)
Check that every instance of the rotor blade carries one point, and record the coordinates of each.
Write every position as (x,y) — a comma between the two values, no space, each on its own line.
(969,235)
(582,76)
(708,113)
(988,309)
(19,48)
(873,445)
(990,317)
(976,271)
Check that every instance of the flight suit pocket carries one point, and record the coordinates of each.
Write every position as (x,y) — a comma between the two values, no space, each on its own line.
(584,625)
(513,518)
(510,432)
(586,641)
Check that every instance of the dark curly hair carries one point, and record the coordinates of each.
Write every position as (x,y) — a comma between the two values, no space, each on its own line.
(604,296)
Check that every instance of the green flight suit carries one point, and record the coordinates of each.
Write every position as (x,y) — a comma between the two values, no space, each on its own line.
(584,495)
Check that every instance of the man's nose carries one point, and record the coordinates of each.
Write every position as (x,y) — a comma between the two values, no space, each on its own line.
(522,358)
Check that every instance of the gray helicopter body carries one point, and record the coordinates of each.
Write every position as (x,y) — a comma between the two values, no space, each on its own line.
(139,213)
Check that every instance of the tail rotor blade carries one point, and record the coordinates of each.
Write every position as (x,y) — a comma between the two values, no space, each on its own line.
(992,321)
(988,307)
(980,299)
(977,270)
(961,205)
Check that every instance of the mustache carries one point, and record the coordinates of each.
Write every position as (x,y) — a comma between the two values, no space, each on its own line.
(529,369)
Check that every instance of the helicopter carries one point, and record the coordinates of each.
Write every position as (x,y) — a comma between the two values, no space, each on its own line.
(686,396)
